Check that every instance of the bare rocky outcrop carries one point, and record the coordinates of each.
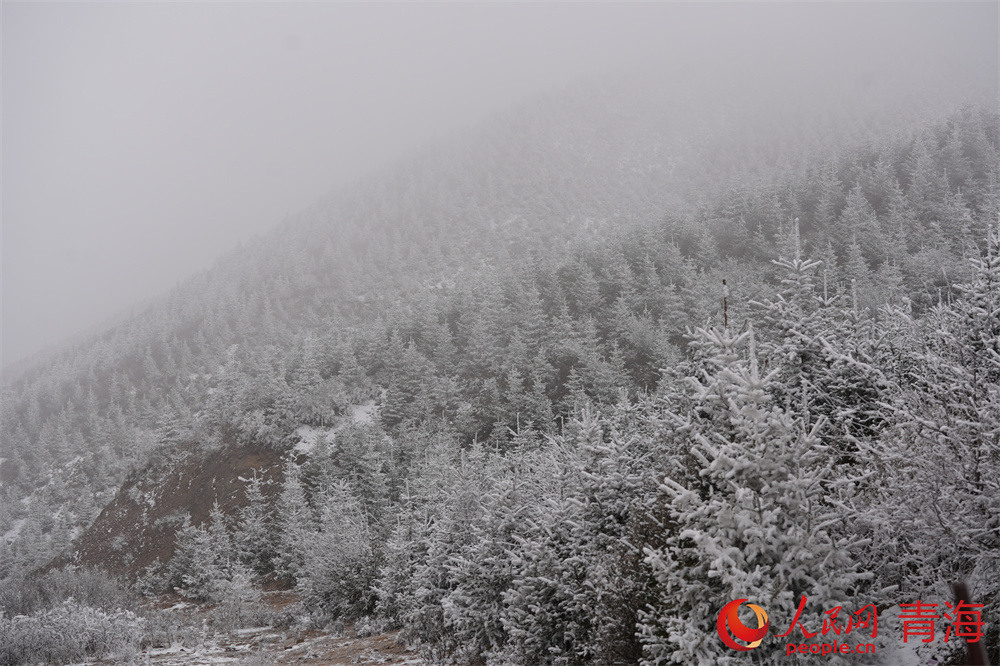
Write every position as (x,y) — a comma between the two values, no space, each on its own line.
(140,524)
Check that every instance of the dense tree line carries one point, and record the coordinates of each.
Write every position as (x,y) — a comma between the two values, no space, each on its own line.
(827,453)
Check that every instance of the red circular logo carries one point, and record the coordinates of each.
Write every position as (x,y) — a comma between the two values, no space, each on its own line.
(729,621)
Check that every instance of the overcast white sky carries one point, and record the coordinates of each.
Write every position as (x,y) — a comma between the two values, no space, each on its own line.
(140,141)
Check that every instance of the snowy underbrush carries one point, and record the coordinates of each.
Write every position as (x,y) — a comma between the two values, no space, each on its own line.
(189,625)
(240,606)
(69,632)
(65,615)
(89,587)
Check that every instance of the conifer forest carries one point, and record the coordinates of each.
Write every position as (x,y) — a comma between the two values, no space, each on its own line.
(555,389)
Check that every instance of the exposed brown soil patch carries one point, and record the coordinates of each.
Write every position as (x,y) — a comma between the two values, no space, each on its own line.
(139,525)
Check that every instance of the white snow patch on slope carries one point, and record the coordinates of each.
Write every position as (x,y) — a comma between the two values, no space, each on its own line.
(363,413)
(894,652)
(309,436)
(12,533)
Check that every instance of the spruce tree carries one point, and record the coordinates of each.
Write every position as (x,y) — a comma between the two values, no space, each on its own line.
(750,514)
(255,540)
(936,519)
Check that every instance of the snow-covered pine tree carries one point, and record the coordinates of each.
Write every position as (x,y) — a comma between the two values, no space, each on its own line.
(204,559)
(550,607)
(459,585)
(578,582)
(406,547)
(340,560)
(431,470)
(479,569)
(823,353)
(310,399)
(623,514)
(751,517)
(255,540)
(937,517)
(295,523)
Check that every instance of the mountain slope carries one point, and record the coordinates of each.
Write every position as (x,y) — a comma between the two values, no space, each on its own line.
(348,301)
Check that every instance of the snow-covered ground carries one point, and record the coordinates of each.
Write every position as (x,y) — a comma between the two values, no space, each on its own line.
(363,413)
(12,533)
(892,651)
(263,645)
(186,637)
(309,436)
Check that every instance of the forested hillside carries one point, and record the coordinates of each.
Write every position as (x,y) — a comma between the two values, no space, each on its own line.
(558,392)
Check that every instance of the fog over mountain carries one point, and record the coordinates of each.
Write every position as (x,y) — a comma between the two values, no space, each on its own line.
(141,141)
(496,335)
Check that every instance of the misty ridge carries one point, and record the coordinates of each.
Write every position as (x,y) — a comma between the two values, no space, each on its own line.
(558,386)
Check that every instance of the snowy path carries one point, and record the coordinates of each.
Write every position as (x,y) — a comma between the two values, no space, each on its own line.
(258,647)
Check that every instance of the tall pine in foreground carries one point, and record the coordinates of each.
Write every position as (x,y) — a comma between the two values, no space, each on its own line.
(751,516)
(937,518)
